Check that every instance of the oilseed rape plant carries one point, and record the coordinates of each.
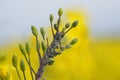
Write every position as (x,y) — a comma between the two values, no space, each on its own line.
(46,50)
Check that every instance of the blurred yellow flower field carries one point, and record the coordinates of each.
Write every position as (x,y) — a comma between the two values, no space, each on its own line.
(87,60)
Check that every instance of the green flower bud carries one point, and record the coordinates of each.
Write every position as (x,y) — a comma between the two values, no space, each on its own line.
(68,46)
(50,61)
(56,27)
(34,30)
(38,45)
(21,47)
(42,32)
(51,18)
(75,23)
(67,25)
(62,48)
(73,41)
(22,65)
(60,12)
(43,47)
(14,61)
(27,46)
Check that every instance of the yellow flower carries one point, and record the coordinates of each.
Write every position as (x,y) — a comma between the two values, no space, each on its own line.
(4,73)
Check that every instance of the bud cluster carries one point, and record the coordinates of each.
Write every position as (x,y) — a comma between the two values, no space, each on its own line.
(49,50)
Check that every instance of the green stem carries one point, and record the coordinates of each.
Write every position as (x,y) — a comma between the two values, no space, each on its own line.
(52,29)
(68,30)
(30,65)
(58,23)
(18,74)
(30,68)
(24,75)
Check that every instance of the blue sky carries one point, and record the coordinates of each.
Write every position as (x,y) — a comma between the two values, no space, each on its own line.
(17,16)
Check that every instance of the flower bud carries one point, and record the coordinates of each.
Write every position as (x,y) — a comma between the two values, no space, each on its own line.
(73,41)
(21,47)
(75,23)
(14,61)
(42,32)
(56,27)
(27,46)
(68,46)
(67,25)
(34,30)
(51,18)
(50,61)
(62,48)
(22,65)
(60,12)
(43,47)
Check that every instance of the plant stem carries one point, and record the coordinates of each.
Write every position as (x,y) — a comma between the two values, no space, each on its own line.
(52,29)
(30,68)
(58,23)
(24,75)
(68,30)
(38,51)
(42,63)
(40,69)
(30,65)
(18,73)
